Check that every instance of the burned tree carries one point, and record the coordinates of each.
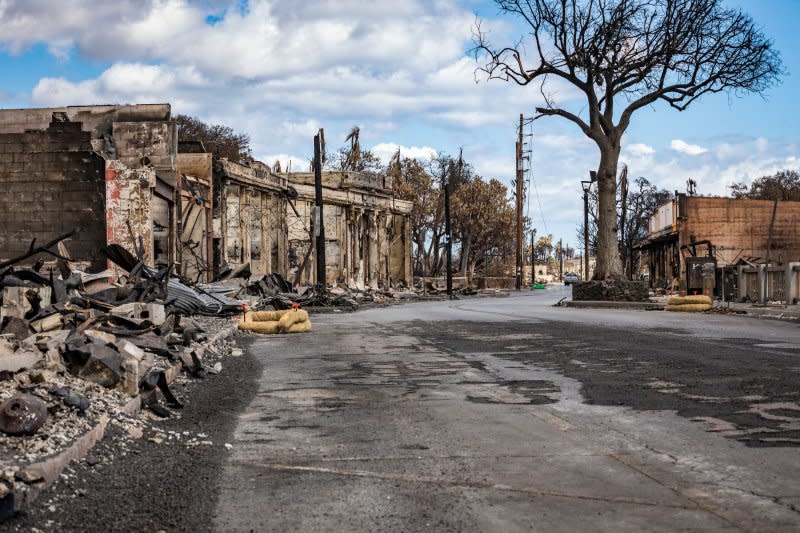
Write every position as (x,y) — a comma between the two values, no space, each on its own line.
(222,141)
(623,55)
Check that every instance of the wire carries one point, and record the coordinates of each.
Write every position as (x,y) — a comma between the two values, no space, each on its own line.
(532,183)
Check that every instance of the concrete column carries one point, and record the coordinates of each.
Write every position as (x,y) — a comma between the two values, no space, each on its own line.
(742,285)
(762,284)
(372,249)
(790,282)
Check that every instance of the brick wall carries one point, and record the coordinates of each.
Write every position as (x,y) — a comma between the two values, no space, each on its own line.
(50,183)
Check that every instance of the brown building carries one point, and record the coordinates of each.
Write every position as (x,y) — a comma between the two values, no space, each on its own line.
(250,205)
(725,230)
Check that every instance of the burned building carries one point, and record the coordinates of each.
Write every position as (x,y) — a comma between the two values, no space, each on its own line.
(266,220)
(367,231)
(697,230)
(118,174)
(249,218)
(113,173)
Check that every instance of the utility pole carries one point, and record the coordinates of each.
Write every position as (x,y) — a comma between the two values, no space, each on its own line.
(448,236)
(533,258)
(560,260)
(586,234)
(518,283)
(319,221)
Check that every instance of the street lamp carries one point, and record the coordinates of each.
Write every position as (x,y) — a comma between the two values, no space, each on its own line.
(587,185)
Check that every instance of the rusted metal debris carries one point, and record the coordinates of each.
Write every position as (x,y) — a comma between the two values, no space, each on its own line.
(118,332)
(22,414)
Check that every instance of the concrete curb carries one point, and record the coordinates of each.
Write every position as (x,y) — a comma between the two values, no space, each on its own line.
(49,470)
(778,313)
(771,313)
(593,304)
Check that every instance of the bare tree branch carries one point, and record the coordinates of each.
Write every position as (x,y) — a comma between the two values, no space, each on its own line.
(624,55)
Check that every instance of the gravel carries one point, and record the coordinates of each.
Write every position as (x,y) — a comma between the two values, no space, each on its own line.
(154,474)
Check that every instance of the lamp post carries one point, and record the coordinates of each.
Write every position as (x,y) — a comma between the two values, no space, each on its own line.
(587,185)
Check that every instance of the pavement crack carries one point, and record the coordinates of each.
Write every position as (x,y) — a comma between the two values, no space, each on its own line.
(278,467)
(681,493)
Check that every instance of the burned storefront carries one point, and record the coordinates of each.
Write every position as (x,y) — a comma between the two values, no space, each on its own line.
(367,231)
(264,221)
(693,234)
(117,174)
(114,174)
(249,218)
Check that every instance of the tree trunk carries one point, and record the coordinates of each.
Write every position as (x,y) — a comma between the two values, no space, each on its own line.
(466,246)
(609,264)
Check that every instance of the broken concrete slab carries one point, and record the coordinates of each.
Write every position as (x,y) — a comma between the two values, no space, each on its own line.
(100,336)
(50,323)
(20,360)
(129,349)
(130,375)
(139,312)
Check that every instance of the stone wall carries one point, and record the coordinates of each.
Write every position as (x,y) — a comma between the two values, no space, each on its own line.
(614,291)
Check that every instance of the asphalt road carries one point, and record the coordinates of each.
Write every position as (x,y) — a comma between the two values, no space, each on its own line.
(482,414)
(512,415)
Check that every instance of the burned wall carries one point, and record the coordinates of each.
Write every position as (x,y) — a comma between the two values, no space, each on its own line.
(742,227)
(128,208)
(250,214)
(367,235)
(52,182)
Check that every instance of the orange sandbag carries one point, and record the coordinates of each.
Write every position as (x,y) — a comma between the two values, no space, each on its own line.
(293,317)
(300,327)
(265,316)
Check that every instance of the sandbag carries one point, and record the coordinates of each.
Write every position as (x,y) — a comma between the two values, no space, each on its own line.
(293,317)
(688,308)
(266,316)
(694,299)
(300,327)
(271,322)
(262,326)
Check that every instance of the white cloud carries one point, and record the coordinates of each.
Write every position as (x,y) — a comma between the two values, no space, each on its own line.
(385,152)
(685,148)
(640,149)
(288,162)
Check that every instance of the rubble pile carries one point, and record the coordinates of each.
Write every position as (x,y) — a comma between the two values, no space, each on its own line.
(78,349)
(274,291)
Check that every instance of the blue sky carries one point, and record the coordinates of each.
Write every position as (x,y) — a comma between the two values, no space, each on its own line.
(279,69)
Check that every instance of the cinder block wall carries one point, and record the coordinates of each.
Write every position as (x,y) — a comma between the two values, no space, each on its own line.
(50,183)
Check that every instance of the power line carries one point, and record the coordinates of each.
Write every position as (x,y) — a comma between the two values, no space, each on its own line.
(532,183)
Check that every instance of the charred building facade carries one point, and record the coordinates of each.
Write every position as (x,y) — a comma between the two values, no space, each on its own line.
(113,173)
(119,175)
(692,231)
(267,220)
